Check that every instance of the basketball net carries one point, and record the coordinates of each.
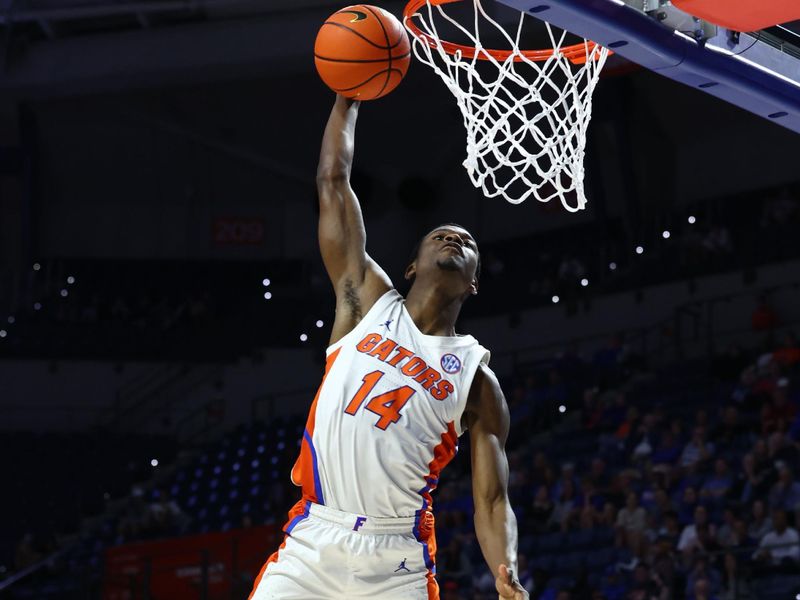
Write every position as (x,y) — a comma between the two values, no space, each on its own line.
(526,113)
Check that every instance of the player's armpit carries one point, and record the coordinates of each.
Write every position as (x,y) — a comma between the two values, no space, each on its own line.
(356,292)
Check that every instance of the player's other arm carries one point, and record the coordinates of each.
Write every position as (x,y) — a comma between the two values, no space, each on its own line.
(487,418)
(357,280)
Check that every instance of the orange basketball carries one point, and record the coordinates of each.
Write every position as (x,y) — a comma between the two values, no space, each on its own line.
(362,52)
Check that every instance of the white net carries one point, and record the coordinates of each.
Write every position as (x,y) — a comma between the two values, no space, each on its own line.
(526,121)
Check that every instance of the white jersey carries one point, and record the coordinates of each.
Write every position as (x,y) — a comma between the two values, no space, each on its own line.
(387,416)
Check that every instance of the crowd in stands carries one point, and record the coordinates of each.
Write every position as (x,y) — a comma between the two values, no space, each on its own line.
(56,480)
(628,483)
(668,485)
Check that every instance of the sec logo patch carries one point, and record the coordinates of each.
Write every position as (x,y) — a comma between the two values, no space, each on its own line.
(451,364)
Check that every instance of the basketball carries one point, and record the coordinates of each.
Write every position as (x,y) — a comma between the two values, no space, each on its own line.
(362,52)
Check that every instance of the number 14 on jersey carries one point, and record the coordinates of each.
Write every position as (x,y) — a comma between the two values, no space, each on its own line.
(387,405)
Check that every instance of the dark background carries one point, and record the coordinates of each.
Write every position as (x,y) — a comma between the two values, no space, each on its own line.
(162,155)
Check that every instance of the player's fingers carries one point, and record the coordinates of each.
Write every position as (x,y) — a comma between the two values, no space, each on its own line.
(504,573)
(504,588)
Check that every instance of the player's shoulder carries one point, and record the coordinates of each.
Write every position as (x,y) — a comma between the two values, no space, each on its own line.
(486,402)
(485,383)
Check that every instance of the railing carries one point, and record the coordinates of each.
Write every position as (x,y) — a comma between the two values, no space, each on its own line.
(263,406)
(689,332)
(20,575)
(155,393)
(201,425)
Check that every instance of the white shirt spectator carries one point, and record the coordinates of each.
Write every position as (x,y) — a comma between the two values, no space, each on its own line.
(788,545)
(688,538)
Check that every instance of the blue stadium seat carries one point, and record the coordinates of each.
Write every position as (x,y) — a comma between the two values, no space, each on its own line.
(602,536)
(580,539)
(570,564)
(599,559)
(543,562)
(551,542)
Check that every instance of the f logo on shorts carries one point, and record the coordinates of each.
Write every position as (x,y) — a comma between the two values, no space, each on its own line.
(359,522)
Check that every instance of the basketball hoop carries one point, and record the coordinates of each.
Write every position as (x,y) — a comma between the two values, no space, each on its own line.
(526,112)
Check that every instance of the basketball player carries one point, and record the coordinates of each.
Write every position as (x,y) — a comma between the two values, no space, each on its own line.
(399,388)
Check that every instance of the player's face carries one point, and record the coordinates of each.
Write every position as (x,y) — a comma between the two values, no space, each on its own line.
(450,249)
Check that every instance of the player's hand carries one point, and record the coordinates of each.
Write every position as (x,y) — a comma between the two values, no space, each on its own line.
(508,588)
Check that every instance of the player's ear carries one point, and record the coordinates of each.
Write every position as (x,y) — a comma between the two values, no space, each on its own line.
(473,287)
(411,271)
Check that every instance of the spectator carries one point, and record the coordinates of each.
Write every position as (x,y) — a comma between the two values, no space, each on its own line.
(613,587)
(567,476)
(592,412)
(781,546)
(645,585)
(781,449)
(455,566)
(701,591)
(785,493)
(608,516)
(706,542)
(697,451)
(592,503)
(718,241)
(689,540)
(598,475)
(729,430)
(666,453)
(662,504)
(788,354)
(542,473)
(630,525)
(716,487)
(627,426)
(566,506)
(778,413)
(761,523)
(541,511)
(703,571)
(726,534)
(670,530)
(754,478)
(741,536)
(165,516)
(735,585)
(687,506)
(450,590)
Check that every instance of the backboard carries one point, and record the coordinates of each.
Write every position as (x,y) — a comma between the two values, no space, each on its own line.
(758,71)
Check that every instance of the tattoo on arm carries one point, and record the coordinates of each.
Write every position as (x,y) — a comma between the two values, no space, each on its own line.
(352,300)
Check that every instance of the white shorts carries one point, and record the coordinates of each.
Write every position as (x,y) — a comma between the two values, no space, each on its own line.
(330,554)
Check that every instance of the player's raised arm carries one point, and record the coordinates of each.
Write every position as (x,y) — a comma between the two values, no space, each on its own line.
(357,279)
(487,418)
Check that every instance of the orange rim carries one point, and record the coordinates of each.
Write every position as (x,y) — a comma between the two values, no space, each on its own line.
(576,53)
